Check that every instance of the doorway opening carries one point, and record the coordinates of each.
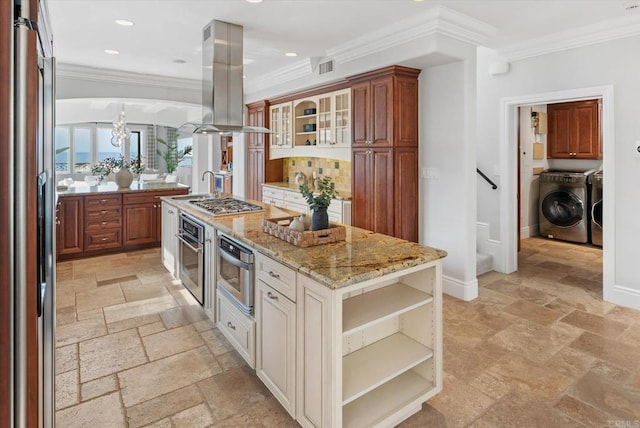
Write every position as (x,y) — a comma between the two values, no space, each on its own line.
(510,109)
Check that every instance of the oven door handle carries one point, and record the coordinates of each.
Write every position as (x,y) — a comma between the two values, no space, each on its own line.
(188,244)
(233,260)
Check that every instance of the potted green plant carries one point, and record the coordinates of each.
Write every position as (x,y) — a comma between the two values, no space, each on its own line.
(171,155)
(319,201)
(124,170)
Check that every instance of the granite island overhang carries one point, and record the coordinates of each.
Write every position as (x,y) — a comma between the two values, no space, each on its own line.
(363,255)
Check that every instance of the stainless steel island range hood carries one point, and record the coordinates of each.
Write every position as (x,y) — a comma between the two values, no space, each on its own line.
(222,92)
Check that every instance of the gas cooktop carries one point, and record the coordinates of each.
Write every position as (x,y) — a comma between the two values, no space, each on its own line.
(225,206)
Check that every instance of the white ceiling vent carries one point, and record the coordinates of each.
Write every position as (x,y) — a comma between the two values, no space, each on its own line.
(325,67)
(321,65)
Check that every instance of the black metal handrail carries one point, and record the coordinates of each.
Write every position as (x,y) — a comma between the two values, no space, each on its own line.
(493,185)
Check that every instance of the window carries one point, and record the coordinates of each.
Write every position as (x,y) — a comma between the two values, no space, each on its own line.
(182,144)
(62,145)
(82,150)
(134,145)
(105,148)
(80,146)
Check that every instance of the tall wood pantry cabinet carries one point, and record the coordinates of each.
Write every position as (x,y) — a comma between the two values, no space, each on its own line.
(259,168)
(574,130)
(384,108)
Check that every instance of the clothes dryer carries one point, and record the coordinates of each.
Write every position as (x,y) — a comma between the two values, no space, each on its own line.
(564,210)
(596,208)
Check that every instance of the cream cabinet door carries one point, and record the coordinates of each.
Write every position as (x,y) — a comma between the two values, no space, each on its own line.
(276,344)
(169,240)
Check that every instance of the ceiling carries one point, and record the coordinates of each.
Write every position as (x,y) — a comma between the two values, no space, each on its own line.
(170,30)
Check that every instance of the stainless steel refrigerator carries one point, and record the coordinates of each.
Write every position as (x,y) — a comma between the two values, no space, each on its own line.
(27,195)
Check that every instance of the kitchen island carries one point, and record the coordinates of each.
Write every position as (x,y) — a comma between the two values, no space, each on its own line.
(100,219)
(345,334)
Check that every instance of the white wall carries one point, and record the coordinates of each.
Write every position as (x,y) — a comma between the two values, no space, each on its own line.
(529,183)
(598,65)
(447,112)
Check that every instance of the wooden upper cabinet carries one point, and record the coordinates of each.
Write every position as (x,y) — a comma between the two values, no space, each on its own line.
(256,116)
(360,107)
(574,130)
(384,175)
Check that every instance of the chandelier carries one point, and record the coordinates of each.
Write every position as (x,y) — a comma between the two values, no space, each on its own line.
(120,133)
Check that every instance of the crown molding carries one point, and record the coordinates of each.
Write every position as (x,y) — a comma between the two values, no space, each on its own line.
(91,74)
(570,39)
(437,20)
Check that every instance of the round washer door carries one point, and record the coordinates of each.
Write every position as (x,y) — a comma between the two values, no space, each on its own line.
(563,209)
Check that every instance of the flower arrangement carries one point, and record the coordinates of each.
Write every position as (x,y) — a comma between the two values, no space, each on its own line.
(108,165)
(325,191)
(171,155)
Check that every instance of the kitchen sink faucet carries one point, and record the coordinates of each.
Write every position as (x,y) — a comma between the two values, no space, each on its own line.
(210,179)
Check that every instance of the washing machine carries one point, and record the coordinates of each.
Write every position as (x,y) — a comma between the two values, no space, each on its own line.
(596,208)
(564,209)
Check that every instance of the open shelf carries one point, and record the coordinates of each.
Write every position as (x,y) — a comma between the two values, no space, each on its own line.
(385,400)
(306,133)
(373,365)
(366,309)
(305,116)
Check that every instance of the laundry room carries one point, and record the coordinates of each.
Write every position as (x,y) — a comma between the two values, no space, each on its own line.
(560,172)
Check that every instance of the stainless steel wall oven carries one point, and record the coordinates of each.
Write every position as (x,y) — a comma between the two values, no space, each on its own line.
(235,269)
(191,256)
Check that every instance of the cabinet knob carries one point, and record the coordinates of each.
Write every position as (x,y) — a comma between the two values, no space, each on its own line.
(103,212)
(274,275)
(272,296)
(231,326)
(104,223)
(57,221)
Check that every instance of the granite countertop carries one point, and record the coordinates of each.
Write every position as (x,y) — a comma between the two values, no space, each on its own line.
(81,188)
(294,187)
(363,255)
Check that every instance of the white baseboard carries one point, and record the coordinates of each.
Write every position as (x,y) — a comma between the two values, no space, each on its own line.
(529,231)
(623,296)
(460,289)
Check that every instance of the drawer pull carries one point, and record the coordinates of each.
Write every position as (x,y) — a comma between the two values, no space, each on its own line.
(274,275)
(103,212)
(104,239)
(104,223)
(103,201)
(170,211)
(231,326)
(271,295)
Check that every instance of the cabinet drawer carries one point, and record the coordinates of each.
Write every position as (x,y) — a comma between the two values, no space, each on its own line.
(103,214)
(239,329)
(296,207)
(279,277)
(335,207)
(99,202)
(105,223)
(103,239)
(294,197)
(271,193)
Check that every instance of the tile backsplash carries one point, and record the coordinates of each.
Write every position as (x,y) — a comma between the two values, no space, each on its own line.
(338,170)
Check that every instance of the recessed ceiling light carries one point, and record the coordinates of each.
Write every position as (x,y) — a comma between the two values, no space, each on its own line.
(111,52)
(124,22)
(179,61)
(291,54)
(254,1)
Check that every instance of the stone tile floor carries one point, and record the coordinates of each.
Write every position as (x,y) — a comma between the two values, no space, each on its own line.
(538,348)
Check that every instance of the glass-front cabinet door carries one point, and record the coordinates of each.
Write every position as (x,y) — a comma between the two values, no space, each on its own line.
(341,112)
(281,125)
(325,136)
